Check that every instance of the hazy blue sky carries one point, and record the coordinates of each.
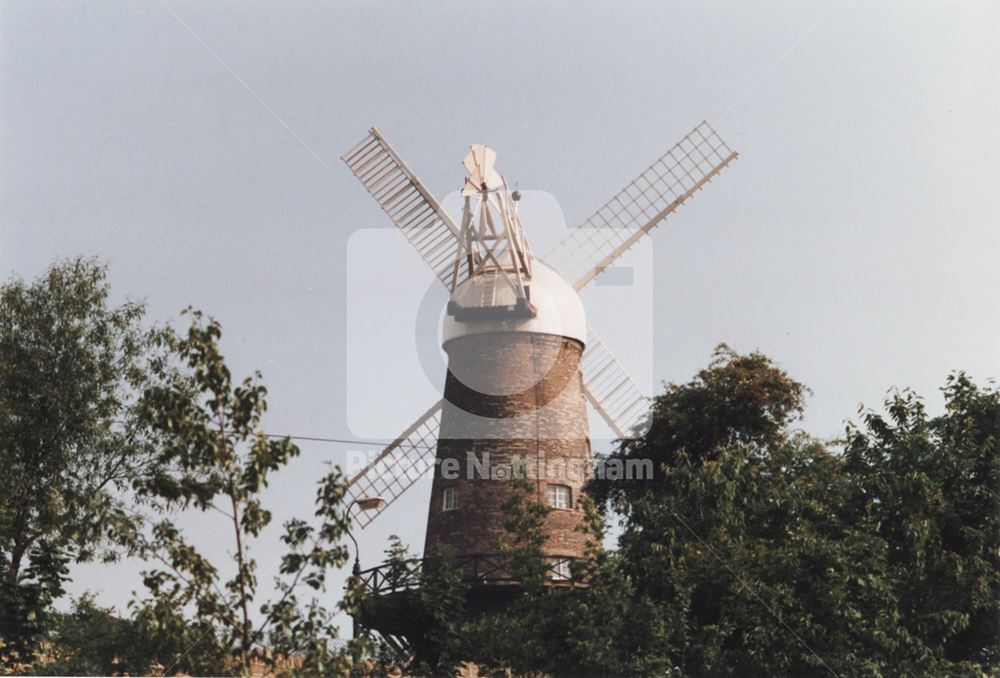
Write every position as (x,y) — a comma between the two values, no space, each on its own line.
(196,148)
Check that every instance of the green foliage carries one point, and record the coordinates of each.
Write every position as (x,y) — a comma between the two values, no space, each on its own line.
(442,596)
(522,549)
(92,640)
(214,456)
(435,608)
(552,631)
(756,550)
(99,415)
(305,629)
(543,631)
(930,490)
(729,549)
(71,366)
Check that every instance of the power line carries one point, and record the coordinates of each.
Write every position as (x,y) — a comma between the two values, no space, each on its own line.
(325,440)
(318,439)
(777,61)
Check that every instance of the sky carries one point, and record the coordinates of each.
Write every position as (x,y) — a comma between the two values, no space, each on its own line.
(195,148)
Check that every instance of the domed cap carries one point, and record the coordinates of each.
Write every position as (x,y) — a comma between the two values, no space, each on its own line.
(559,309)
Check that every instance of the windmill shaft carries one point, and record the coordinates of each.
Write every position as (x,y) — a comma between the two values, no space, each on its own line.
(513,405)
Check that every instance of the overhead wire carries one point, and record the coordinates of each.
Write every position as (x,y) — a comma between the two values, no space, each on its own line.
(319,439)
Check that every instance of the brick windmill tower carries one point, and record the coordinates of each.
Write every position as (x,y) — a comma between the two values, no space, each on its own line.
(522,363)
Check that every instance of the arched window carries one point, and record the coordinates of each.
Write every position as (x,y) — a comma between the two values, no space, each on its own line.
(449,500)
(560,496)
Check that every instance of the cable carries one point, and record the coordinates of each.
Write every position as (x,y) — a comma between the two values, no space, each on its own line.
(777,61)
(325,440)
(318,439)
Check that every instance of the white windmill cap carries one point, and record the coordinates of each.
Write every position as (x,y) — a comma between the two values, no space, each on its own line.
(559,309)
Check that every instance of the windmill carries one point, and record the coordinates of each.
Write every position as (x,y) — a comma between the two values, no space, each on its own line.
(522,363)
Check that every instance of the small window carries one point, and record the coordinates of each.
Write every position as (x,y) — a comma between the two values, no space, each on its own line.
(450,499)
(559,496)
(560,570)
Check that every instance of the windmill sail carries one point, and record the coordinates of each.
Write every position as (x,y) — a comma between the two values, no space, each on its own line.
(403,462)
(407,201)
(612,230)
(610,390)
(641,205)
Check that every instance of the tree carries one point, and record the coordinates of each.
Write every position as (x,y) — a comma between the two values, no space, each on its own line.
(578,629)
(213,456)
(71,367)
(738,551)
(434,609)
(929,488)
(93,640)
(757,550)
(513,638)
(569,631)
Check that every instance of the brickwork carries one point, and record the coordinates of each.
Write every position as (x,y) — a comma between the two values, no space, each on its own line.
(511,395)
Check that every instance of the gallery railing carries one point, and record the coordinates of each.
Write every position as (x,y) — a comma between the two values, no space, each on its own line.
(475,570)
